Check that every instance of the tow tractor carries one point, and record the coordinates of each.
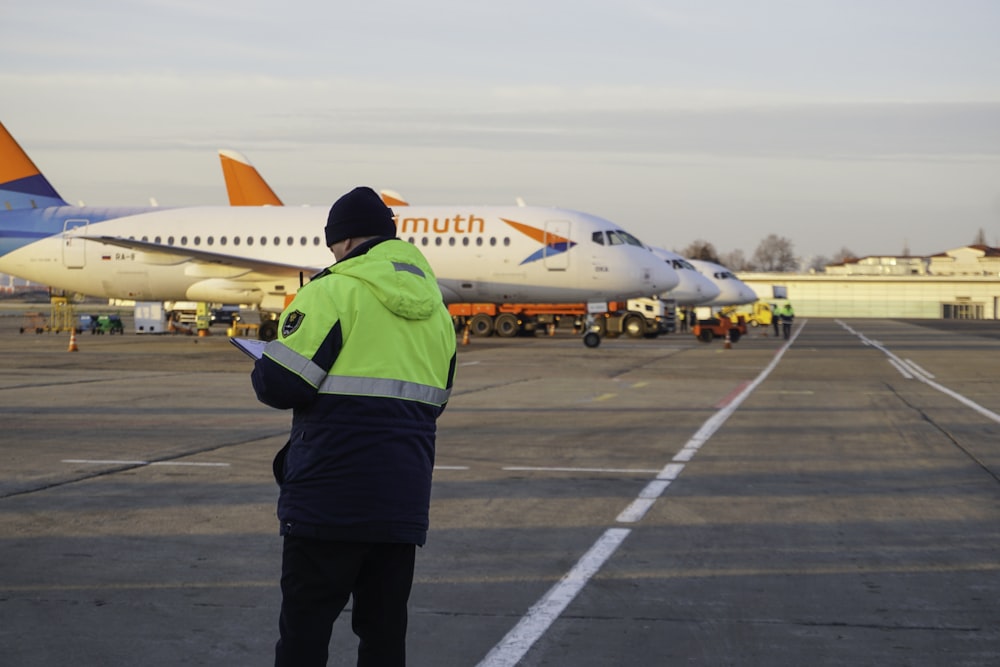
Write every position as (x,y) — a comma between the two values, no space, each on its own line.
(718,326)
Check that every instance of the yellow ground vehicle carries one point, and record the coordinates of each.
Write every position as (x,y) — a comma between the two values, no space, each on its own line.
(757,314)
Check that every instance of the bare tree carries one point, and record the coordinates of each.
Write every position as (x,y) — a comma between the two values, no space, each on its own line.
(843,255)
(701,249)
(775,253)
(736,261)
(819,263)
(980,238)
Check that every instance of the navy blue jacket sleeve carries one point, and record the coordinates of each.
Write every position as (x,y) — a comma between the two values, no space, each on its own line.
(278,387)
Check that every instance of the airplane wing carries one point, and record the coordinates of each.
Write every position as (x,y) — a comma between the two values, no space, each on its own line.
(175,255)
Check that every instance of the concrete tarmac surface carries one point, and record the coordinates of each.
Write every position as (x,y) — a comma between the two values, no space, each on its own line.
(834,500)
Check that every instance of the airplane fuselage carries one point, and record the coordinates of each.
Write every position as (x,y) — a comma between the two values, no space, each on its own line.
(258,255)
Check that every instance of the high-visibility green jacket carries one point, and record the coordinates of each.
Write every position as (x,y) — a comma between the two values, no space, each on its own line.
(365,358)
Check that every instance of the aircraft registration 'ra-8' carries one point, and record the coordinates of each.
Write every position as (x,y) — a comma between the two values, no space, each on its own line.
(259,255)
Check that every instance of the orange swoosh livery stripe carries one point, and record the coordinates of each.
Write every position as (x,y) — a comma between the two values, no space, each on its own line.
(540,235)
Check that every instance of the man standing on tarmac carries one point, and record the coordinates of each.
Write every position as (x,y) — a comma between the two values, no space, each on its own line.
(787,314)
(365,358)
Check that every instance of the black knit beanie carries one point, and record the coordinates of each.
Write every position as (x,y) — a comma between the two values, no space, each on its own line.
(359,213)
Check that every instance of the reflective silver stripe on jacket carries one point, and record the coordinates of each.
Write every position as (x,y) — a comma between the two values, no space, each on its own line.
(402,266)
(360,386)
(295,362)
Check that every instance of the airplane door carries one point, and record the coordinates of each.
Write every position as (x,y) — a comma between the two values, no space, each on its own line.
(556,245)
(74,256)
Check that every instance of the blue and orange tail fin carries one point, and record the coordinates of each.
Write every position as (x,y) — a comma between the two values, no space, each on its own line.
(244,184)
(21,183)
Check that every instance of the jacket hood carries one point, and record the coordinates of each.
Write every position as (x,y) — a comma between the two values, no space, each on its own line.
(399,277)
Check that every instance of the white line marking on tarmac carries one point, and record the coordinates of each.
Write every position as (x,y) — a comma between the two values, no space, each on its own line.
(533,625)
(638,507)
(913,366)
(144,463)
(902,369)
(989,414)
(637,510)
(543,613)
(733,394)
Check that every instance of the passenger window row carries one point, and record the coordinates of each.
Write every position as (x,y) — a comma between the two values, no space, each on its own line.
(492,241)
(224,240)
(302,240)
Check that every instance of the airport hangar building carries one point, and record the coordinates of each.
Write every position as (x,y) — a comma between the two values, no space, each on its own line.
(963,283)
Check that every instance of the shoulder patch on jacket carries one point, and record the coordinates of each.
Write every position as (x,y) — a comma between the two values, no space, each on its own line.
(292,323)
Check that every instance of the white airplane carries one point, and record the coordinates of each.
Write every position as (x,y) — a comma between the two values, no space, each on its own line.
(260,255)
(694,289)
(732,290)
(245,186)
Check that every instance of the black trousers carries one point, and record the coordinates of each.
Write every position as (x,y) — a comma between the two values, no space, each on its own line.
(317,579)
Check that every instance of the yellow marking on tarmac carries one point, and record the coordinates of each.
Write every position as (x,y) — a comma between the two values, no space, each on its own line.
(604,397)
(692,573)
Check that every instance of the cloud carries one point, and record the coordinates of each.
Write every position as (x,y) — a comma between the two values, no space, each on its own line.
(169,110)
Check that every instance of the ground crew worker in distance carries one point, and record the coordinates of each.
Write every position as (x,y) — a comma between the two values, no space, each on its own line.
(365,358)
(787,314)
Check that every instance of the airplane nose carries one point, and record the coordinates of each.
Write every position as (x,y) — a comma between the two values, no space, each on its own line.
(660,275)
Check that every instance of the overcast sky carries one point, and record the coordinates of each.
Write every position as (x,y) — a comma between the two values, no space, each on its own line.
(867,124)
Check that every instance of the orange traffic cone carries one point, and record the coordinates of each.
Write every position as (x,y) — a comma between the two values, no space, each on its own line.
(729,343)
(72,342)
(465,335)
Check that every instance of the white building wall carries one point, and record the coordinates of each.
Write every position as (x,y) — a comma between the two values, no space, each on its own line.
(880,296)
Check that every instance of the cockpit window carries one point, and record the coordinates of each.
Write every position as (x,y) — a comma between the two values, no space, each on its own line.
(631,240)
(598,238)
(618,237)
(684,264)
